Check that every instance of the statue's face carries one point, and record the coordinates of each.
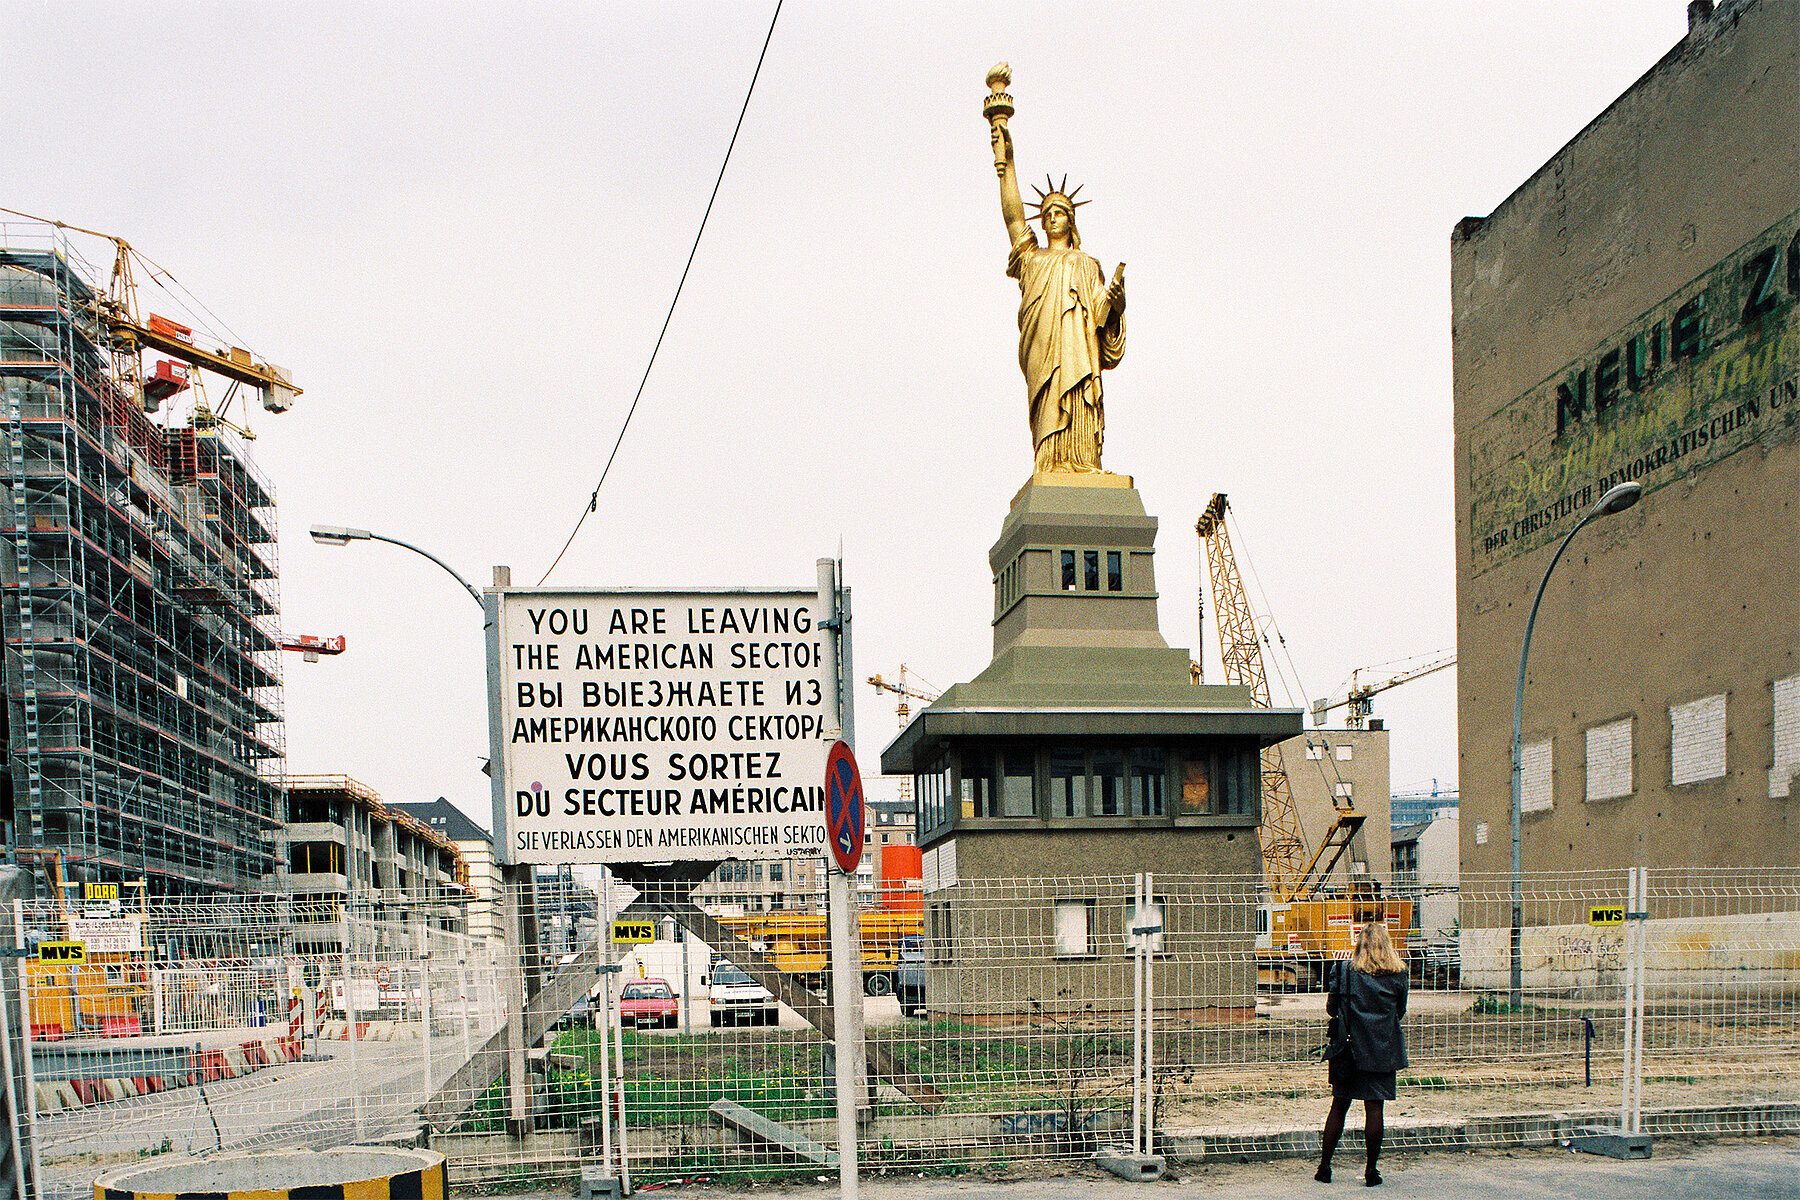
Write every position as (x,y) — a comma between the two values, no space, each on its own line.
(1056,221)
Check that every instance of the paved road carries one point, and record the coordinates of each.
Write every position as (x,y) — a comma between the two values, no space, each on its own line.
(1734,1170)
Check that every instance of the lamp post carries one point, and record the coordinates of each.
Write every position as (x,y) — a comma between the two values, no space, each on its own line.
(334,535)
(1616,499)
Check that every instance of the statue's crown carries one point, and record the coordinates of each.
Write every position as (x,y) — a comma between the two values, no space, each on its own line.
(1057,195)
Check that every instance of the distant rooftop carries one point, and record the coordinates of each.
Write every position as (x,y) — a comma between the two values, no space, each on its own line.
(446,819)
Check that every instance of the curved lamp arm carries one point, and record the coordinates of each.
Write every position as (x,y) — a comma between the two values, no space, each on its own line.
(334,535)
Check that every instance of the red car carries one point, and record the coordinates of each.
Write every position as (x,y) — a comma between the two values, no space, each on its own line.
(647,1002)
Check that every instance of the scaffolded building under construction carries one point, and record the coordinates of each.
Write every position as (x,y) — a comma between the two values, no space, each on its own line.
(143,719)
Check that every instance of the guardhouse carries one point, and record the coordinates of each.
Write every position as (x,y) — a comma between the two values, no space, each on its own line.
(1084,750)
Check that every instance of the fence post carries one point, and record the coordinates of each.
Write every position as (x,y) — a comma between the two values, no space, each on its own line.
(24,1043)
(18,1173)
(518,1088)
(1148,952)
(1628,1069)
(423,957)
(1639,918)
(1134,917)
(602,947)
(350,1039)
(462,986)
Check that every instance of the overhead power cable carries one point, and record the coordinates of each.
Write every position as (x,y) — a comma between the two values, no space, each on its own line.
(594,499)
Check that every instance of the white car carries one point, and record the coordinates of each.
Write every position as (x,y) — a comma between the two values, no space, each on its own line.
(736,999)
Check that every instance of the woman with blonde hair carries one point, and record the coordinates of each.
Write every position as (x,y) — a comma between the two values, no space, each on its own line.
(1368,997)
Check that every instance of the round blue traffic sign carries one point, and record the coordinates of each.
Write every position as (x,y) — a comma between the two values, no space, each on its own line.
(844,808)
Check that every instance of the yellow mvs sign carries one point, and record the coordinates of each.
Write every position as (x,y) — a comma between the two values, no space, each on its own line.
(62,952)
(1606,914)
(633,933)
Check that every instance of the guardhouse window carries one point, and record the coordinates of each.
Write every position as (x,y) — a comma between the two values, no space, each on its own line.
(1109,783)
(1149,770)
(1018,784)
(1068,782)
(1090,561)
(1220,783)
(1115,572)
(1068,570)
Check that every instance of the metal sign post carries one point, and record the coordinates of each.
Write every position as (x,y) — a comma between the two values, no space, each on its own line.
(844,799)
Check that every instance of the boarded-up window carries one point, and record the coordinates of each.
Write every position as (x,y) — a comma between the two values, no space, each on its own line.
(1697,740)
(1535,792)
(1344,752)
(1074,927)
(1787,737)
(1147,917)
(1609,760)
(1314,751)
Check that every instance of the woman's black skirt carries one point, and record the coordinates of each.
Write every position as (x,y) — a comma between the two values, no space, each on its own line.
(1348,1082)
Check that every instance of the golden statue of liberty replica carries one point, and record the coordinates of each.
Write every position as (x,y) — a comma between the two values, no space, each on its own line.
(1071,320)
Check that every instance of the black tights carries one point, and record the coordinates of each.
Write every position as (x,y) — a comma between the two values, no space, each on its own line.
(1373,1128)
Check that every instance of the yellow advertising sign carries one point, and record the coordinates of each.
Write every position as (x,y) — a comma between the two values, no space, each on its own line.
(633,933)
(62,952)
(1606,914)
(100,891)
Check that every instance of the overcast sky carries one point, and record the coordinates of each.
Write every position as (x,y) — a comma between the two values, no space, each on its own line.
(460,226)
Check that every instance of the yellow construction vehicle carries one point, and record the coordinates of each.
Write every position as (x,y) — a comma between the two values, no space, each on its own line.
(800,943)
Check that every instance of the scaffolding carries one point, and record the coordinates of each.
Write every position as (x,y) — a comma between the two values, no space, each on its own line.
(138,575)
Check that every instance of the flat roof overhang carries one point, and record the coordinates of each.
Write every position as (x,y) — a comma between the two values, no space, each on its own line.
(928,733)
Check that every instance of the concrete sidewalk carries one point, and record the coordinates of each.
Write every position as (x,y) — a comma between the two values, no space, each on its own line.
(1755,1169)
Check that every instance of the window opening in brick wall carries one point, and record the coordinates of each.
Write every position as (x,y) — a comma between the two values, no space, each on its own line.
(1785,762)
(1609,760)
(1074,928)
(1535,778)
(1697,740)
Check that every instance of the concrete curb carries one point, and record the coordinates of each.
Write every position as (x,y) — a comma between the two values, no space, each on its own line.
(1497,1130)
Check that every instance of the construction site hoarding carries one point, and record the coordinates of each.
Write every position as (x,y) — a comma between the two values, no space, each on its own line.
(638,726)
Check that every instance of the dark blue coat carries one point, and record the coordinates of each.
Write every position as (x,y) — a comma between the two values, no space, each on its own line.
(1370,1007)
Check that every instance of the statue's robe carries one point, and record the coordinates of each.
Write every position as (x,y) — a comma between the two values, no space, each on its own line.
(1062,351)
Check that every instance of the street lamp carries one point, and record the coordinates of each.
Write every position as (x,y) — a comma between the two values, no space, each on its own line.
(334,535)
(1616,499)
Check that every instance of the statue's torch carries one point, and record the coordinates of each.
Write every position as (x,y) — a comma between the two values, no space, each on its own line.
(998,108)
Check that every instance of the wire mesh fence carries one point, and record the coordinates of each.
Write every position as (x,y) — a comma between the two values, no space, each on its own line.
(999,1024)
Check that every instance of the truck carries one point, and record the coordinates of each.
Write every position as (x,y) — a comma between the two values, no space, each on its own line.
(800,942)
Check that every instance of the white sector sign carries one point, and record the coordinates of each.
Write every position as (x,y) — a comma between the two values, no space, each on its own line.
(658,726)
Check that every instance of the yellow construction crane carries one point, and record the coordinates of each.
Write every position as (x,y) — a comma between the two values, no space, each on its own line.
(1285,866)
(117,311)
(1359,695)
(905,691)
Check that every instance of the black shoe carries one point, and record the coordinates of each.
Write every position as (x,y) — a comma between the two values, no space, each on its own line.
(1323,1174)
(1371,1178)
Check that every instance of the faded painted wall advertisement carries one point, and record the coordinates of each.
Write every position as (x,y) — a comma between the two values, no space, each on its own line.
(1710,371)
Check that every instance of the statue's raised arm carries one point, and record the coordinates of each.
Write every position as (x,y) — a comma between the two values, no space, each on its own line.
(1071,320)
(998,108)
